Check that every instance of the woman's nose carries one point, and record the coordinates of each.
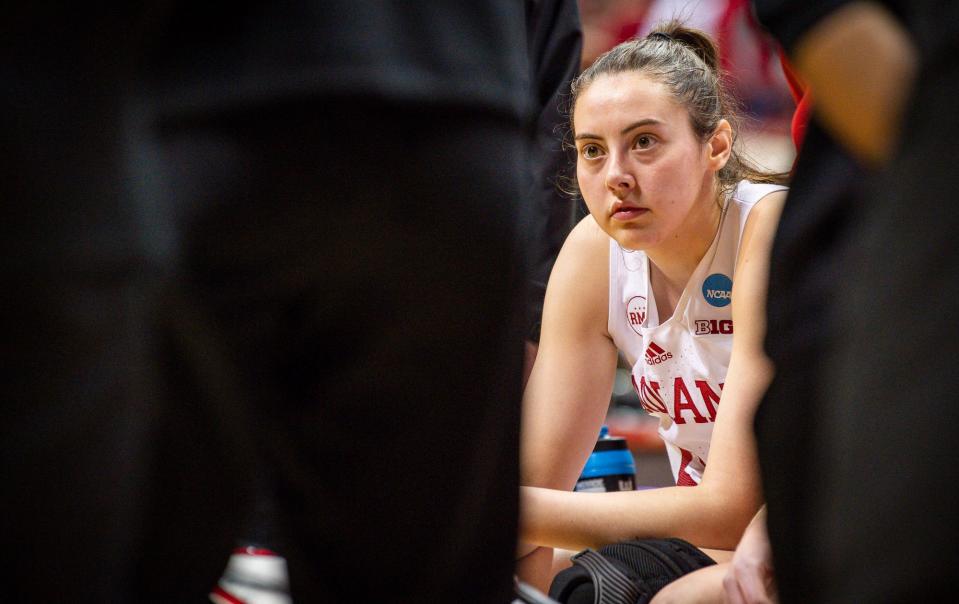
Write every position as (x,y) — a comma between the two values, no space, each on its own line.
(619,180)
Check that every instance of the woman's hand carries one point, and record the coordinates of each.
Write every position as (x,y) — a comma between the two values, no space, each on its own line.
(751,579)
(704,586)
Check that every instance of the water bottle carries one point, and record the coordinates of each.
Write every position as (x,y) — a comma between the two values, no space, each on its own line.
(610,467)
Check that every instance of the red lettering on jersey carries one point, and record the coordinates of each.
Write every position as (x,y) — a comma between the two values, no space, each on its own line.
(683,477)
(714,326)
(682,400)
(636,318)
(649,396)
(709,397)
(651,389)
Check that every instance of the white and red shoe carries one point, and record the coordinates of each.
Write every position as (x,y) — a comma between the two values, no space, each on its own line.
(253,575)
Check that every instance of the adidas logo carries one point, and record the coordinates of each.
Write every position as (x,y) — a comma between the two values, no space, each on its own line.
(656,355)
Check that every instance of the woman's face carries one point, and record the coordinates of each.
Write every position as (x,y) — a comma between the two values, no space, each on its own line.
(641,169)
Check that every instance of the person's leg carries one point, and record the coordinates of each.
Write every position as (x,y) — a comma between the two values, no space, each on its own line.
(91,427)
(805,269)
(361,264)
(703,586)
(885,522)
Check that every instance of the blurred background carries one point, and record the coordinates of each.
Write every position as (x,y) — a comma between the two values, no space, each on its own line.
(755,74)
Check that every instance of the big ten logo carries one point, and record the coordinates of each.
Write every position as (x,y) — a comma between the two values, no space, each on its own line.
(636,313)
(718,290)
(713,326)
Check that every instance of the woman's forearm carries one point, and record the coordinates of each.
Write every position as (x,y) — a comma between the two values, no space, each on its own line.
(535,568)
(707,518)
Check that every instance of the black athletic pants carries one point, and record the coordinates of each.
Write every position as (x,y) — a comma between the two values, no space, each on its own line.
(324,292)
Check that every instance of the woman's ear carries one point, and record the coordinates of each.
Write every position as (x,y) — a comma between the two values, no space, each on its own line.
(720,145)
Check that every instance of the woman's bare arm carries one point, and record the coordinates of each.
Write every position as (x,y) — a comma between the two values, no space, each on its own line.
(715,513)
(568,392)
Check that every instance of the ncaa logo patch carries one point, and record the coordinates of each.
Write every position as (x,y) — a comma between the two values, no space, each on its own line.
(718,290)
(636,313)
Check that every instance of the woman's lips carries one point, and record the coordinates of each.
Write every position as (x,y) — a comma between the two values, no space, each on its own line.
(628,213)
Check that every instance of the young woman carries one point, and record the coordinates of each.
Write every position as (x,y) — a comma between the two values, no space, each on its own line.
(670,263)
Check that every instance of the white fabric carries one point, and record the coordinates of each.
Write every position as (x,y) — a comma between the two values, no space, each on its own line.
(680,363)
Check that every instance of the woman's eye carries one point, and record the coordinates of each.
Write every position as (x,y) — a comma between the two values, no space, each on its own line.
(591,151)
(644,141)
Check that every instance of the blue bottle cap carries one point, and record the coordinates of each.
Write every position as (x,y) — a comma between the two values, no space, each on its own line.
(610,456)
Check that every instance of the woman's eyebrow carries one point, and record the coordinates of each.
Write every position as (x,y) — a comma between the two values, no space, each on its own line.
(644,122)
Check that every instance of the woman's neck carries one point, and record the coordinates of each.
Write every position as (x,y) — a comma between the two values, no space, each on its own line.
(674,261)
(677,257)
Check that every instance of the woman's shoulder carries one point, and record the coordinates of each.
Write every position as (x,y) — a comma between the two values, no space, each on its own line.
(587,242)
(761,219)
(757,202)
(578,285)
(584,258)
(749,193)
(587,232)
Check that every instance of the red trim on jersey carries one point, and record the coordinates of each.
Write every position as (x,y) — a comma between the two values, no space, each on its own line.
(227,596)
(683,479)
(249,550)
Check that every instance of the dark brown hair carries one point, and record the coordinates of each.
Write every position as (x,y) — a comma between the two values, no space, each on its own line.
(686,61)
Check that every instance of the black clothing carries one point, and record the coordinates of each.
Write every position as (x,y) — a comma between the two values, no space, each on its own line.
(805,267)
(626,572)
(554,40)
(884,498)
(553,46)
(446,52)
(854,430)
(276,234)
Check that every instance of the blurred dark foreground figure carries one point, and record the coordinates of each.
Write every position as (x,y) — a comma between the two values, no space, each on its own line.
(273,240)
(855,428)
(863,290)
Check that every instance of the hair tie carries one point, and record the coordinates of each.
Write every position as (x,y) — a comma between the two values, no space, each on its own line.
(661,35)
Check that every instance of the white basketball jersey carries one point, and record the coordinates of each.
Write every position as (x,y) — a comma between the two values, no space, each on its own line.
(680,362)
